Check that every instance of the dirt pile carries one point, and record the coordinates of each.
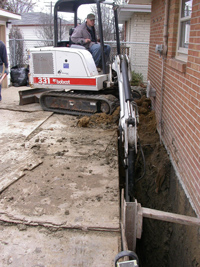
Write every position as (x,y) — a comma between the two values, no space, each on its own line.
(102,120)
(157,160)
(156,157)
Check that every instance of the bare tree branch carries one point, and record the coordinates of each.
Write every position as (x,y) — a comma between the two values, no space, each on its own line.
(3,4)
(17,6)
(46,29)
(107,21)
(16,47)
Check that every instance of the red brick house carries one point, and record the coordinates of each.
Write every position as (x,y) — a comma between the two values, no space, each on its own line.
(174,72)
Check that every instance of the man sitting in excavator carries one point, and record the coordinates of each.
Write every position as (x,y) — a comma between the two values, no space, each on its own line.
(85,35)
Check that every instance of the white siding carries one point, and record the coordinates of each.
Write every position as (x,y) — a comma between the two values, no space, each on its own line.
(138,30)
(31,36)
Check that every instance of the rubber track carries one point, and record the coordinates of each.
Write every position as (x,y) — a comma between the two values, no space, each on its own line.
(111,100)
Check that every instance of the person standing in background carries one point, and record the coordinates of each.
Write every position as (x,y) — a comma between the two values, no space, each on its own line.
(3,60)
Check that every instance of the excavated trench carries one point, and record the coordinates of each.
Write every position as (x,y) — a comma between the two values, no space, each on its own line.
(162,244)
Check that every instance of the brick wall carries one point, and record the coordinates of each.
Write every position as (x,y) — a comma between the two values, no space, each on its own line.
(177,105)
(138,30)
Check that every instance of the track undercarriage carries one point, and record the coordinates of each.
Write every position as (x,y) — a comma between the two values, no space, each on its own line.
(78,103)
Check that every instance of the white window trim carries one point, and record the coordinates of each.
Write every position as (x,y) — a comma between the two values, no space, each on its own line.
(181,53)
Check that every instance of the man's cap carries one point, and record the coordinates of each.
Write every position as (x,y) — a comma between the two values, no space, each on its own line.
(90,16)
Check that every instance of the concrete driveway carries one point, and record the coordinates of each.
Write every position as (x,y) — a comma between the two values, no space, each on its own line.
(59,197)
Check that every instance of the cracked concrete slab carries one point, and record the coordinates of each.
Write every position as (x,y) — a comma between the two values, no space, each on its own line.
(68,183)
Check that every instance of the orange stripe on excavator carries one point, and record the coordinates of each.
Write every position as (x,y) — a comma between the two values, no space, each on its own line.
(65,81)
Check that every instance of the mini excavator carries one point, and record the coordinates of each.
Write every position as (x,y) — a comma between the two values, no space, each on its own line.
(70,83)
(67,81)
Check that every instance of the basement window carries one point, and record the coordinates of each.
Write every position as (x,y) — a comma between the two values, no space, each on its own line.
(184,29)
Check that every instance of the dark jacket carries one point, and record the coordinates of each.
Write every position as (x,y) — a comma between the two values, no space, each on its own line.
(81,32)
(3,55)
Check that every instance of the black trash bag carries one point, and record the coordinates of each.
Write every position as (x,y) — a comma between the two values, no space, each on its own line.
(19,76)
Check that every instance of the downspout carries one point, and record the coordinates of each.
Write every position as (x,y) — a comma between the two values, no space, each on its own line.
(164,56)
(165,31)
(125,27)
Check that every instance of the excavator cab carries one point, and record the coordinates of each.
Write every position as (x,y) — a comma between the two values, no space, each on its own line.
(56,67)
(71,6)
(69,72)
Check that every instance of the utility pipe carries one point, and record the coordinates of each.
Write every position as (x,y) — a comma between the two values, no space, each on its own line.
(165,30)
(164,55)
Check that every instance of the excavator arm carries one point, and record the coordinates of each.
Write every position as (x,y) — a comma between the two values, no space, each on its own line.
(127,123)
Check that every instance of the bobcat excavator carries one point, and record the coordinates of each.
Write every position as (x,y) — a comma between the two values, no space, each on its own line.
(70,83)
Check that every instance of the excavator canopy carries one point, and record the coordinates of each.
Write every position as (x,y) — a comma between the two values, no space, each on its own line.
(71,5)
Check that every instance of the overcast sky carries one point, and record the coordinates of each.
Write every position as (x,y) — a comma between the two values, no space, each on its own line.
(45,6)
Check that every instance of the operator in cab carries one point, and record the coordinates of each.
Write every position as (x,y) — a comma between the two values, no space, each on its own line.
(85,35)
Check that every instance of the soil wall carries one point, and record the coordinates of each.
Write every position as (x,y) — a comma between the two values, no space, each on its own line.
(163,244)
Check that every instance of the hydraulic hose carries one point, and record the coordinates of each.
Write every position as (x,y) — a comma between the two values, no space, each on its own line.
(144,162)
(127,253)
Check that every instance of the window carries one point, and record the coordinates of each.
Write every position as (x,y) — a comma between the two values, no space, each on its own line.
(184,29)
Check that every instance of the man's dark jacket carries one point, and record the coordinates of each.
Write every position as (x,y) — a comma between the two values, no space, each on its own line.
(81,32)
(3,55)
